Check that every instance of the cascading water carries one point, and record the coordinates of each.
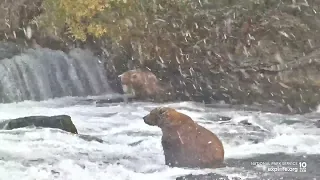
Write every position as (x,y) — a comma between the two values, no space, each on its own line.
(40,74)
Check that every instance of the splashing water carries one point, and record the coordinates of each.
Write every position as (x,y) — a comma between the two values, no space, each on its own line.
(132,150)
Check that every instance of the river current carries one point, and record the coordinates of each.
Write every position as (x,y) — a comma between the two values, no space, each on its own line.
(257,145)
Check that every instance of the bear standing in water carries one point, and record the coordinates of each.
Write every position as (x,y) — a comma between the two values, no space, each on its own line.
(184,142)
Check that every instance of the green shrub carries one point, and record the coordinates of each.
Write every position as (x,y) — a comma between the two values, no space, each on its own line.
(114,18)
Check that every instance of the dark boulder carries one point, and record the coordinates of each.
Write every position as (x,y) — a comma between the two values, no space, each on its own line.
(62,122)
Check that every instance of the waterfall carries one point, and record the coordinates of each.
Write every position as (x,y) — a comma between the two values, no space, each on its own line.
(40,74)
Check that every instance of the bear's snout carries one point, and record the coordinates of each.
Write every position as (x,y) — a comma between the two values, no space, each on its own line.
(147,120)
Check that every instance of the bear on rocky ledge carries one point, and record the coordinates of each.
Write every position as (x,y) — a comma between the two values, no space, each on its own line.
(144,85)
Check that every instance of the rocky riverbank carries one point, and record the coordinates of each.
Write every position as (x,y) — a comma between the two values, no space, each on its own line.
(244,52)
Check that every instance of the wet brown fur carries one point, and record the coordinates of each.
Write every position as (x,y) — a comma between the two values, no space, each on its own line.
(144,83)
(186,143)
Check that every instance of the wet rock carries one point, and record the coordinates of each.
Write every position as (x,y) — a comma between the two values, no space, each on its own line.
(136,143)
(245,122)
(113,100)
(317,124)
(109,99)
(90,138)
(62,122)
(216,118)
(9,49)
(209,176)
(224,118)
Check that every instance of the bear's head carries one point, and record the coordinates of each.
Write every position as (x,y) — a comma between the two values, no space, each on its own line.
(138,82)
(166,117)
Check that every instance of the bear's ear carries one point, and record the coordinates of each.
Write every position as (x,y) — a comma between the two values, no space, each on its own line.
(161,115)
(134,76)
(162,110)
(175,118)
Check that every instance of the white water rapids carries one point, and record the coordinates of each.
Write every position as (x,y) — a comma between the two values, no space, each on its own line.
(132,150)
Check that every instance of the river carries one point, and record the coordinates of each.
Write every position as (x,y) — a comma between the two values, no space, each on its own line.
(132,150)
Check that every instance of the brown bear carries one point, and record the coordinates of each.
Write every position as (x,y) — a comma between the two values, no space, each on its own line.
(142,85)
(185,143)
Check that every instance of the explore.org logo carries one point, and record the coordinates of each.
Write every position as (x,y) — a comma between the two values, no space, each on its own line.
(283,169)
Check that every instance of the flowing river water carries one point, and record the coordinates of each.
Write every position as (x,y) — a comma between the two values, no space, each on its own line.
(132,150)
